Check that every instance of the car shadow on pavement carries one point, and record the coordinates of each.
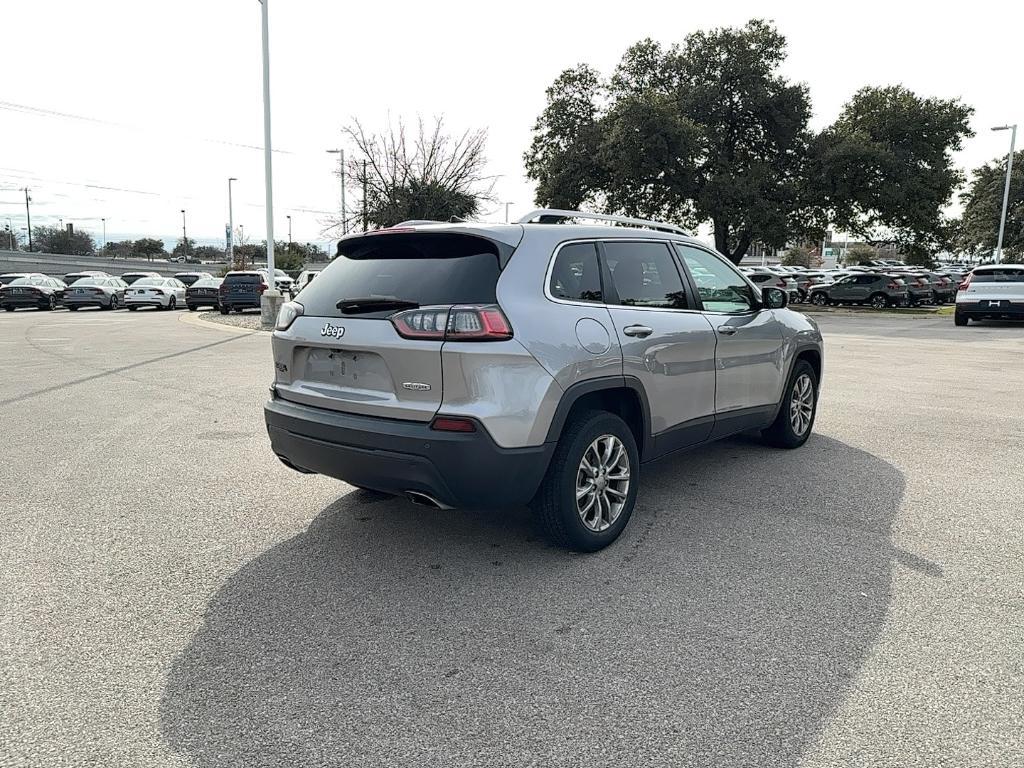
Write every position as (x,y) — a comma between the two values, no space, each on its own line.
(723,629)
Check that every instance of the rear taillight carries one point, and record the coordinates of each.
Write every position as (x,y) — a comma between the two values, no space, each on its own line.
(98,291)
(781,284)
(222,288)
(964,284)
(158,292)
(263,287)
(452,424)
(459,323)
(893,287)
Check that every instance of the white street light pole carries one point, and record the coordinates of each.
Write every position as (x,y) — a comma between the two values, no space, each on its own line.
(231,226)
(341,167)
(104,246)
(506,211)
(1006,189)
(289,217)
(271,300)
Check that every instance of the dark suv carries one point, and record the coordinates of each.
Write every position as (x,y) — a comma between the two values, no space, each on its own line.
(241,290)
(872,288)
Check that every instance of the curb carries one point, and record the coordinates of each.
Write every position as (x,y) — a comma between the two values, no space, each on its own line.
(197,320)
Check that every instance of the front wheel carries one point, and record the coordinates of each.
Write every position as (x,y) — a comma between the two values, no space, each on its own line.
(589,491)
(113,303)
(819,299)
(795,420)
(172,304)
(878,301)
(50,304)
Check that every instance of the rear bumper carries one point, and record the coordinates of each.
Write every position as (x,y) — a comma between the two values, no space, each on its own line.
(1011,310)
(247,300)
(24,301)
(457,469)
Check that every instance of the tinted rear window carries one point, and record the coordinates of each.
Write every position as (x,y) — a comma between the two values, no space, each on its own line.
(428,269)
(243,279)
(998,276)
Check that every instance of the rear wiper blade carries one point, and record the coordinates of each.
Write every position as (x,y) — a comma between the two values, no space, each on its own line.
(373,304)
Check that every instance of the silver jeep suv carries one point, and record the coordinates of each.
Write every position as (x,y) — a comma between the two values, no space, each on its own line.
(474,365)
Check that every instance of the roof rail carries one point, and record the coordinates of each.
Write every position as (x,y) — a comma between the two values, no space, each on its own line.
(558,213)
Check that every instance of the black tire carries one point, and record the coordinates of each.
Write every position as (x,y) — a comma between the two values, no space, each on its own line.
(172,304)
(555,502)
(225,310)
(820,298)
(191,308)
(132,307)
(51,304)
(960,319)
(879,301)
(782,433)
(8,309)
(73,308)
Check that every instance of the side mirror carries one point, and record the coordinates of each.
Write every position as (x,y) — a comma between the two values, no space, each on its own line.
(774,298)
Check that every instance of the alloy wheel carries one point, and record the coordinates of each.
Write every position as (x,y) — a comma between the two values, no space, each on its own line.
(602,483)
(801,404)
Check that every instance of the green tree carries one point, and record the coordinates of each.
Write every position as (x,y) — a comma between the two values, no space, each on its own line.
(798,256)
(429,175)
(207,253)
(977,232)
(149,248)
(884,170)
(860,253)
(184,247)
(59,240)
(709,131)
(118,249)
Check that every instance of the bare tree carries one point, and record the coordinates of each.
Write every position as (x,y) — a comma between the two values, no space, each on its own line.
(428,175)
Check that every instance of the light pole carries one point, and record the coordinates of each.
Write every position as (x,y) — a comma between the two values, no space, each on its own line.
(270,302)
(506,211)
(184,235)
(1006,189)
(231,226)
(10,234)
(341,166)
(28,216)
(289,217)
(104,246)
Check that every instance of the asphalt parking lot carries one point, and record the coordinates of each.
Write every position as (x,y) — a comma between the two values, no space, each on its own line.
(173,596)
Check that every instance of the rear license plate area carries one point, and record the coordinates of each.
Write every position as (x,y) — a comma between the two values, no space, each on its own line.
(345,368)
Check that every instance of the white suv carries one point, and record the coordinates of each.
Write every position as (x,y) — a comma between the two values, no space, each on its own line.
(994,292)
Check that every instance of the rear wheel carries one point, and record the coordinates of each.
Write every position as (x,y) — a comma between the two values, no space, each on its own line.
(8,309)
(172,304)
(879,301)
(589,491)
(50,303)
(132,307)
(73,308)
(819,298)
(191,307)
(795,420)
(113,303)
(960,319)
(225,310)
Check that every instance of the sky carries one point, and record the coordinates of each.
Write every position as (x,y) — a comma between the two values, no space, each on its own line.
(133,111)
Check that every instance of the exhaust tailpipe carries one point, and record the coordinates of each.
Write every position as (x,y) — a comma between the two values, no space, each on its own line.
(423,499)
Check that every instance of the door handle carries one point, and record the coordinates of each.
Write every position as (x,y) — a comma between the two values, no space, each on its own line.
(640,331)
(726,330)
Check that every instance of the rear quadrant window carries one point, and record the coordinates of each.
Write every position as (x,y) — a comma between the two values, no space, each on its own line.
(576,275)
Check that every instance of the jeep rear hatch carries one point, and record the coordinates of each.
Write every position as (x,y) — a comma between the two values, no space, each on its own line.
(373,324)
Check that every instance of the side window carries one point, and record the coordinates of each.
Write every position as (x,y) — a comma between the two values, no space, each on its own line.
(645,275)
(721,287)
(866,279)
(575,275)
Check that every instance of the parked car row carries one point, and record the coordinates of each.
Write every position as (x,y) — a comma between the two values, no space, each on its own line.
(891,286)
(236,291)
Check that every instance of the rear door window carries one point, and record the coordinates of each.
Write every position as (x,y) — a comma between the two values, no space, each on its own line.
(429,269)
(645,275)
(576,274)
